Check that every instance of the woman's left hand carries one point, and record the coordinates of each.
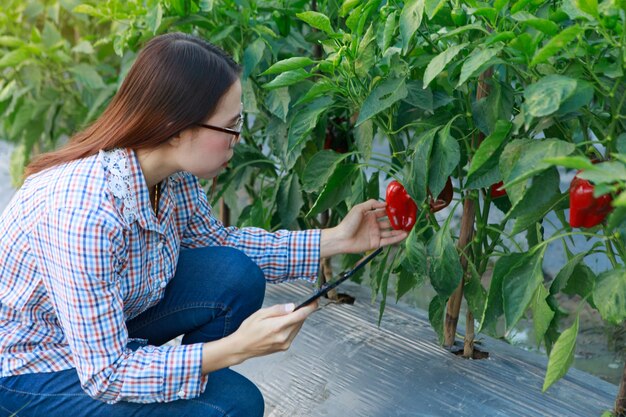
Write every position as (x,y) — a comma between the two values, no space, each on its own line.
(364,228)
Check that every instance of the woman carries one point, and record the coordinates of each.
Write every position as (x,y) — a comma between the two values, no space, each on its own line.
(110,249)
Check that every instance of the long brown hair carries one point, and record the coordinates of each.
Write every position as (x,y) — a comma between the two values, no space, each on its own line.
(176,82)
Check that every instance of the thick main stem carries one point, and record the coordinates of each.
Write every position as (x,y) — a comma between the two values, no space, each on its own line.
(468,343)
(454,304)
(465,237)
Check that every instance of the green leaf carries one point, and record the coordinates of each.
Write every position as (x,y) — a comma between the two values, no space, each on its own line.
(499,37)
(416,254)
(542,197)
(617,219)
(51,36)
(438,63)
(487,12)
(416,176)
(410,21)
(14,58)
(154,17)
(407,281)
(338,188)
(319,89)
(252,56)
(445,268)
(524,158)
(289,64)
(445,157)
(433,7)
(488,152)
(320,168)
(83,47)
(366,53)
(498,105)
(565,273)
(493,307)
(476,62)
(419,97)
(11,41)
(289,200)
(556,44)
(605,173)
(303,122)
(544,25)
(609,295)
(87,9)
(436,313)
(317,20)
(519,285)
(88,76)
(474,293)
(581,97)
(388,31)
(581,283)
(383,96)
(278,102)
(542,313)
(384,283)
(573,162)
(287,78)
(546,95)
(561,356)
(588,6)
(347,6)
(23,116)
(364,137)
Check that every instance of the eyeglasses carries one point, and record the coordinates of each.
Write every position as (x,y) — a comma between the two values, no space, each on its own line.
(236,132)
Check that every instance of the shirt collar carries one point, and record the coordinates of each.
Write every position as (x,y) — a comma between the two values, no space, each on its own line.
(127,183)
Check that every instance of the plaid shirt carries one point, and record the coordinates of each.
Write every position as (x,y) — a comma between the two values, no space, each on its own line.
(82,252)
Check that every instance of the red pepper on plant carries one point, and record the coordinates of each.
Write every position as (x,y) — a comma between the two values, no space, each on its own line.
(496,191)
(444,198)
(585,209)
(401,209)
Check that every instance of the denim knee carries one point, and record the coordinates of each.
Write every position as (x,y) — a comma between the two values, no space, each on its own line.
(251,401)
(246,276)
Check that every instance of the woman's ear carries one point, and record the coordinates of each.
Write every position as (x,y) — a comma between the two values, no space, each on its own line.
(176,139)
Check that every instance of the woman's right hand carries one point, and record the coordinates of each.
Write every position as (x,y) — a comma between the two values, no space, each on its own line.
(266,331)
(271,329)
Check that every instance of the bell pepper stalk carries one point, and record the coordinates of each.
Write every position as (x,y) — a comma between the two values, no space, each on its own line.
(401,209)
(496,190)
(443,199)
(585,210)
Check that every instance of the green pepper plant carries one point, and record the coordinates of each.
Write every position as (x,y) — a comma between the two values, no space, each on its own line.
(509,99)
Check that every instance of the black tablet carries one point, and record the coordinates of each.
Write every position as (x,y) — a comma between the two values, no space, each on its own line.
(342,277)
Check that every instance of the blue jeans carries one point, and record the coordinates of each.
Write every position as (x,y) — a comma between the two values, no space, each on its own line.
(213,291)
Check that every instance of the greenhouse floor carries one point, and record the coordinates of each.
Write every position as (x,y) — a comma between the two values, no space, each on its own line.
(343,365)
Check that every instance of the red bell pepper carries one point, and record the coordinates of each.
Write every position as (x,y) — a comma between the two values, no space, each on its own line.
(585,210)
(496,191)
(444,198)
(401,209)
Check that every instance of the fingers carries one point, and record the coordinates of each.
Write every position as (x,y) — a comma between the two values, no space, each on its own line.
(392,237)
(384,224)
(372,204)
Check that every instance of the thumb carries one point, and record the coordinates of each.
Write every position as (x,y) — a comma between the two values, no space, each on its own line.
(278,310)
